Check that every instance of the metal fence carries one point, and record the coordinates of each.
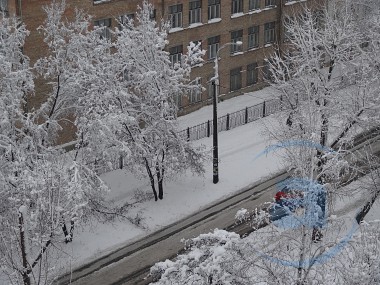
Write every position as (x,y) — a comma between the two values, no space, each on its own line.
(225,123)
(233,120)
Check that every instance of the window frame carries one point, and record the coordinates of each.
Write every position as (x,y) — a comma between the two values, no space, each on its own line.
(269,32)
(235,79)
(4,6)
(235,37)
(213,9)
(252,74)
(270,3)
(254,5)
(195,11)
(212,47)
(176,16)
(175,55)
(195,94)
(105,24)
(237,6)
(253,37)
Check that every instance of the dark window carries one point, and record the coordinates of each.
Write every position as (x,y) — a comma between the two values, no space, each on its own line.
(178,100)
(213,46)
(270,3)
(196,93)
(126,20)
(252,74)
(153,14)
(254,4)
(175,15)
(267,74)
(269,32)
(175,54)
(235,79)
(253,37)
(213,9)
(3,5)
(237,6)
(195,12)
(105,32)
(236,36)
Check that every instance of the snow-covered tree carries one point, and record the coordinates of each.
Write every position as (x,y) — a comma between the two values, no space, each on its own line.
(220,257)
(133,115)
(41,188)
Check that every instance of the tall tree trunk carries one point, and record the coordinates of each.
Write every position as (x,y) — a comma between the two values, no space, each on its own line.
(25,265)
(301,265)
(151,178)
(150,174)
(68,235)
(160,177)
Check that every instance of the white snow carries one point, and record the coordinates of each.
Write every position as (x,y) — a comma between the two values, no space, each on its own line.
(215,20)
(187,194)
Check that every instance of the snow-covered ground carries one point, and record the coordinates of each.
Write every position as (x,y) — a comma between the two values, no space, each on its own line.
(238,168)
(187,194)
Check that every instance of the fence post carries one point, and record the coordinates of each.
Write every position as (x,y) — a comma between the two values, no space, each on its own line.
(264,109)
(188,134)
(208,128)
(228,122)
(246,115)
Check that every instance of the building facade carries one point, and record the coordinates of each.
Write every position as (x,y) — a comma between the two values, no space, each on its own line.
(258,24)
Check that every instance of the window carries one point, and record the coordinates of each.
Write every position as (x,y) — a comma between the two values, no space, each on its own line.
(175,16)
(213,9)
(319,19)
(269,32)
(254,4)
(270,3)
(178,100)
(237,6)
(195,12)
(253,37)
(175,54)
(236,36)
(235,79)
(252,74)
(213,46)
(267,74)
(105,32)
(3,5)
(196,93)
(153,14)
(126,20)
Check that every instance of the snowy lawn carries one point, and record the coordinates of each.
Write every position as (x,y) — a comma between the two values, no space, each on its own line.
(183,196)
(187,194)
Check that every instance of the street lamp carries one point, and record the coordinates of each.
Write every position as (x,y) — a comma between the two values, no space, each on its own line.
(215,82)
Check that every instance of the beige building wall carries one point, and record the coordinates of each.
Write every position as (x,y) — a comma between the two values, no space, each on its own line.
(32,14)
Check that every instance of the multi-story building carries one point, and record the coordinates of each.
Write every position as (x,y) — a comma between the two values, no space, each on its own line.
(258,24)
